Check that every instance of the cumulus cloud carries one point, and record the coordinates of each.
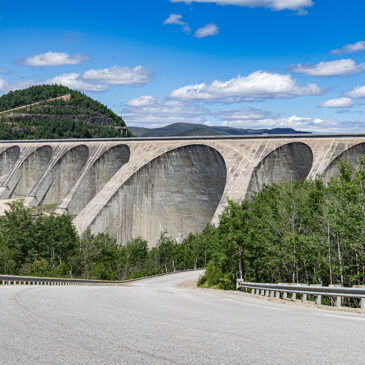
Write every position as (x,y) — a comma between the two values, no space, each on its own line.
(350,48)
(100,80)
(260,118)
(74,80)
(244,114)
(333,68)
(137,76)
(343,102)
(52,59)
(150,109)
(294,121)
(4,85)
(207,31)
(177,19)
(23,84)
(357,92)
(271,4)
(256,85)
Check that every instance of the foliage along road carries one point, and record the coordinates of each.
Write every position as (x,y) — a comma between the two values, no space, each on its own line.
(158,321)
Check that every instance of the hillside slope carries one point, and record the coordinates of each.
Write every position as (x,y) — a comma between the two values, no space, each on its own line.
(53,111)
(187,129)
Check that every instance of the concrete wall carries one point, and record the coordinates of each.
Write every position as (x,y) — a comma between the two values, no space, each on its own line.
(292,161)
(178,191)
(351,155)
(30,171)
(97,176)
(8,158)
(131,187)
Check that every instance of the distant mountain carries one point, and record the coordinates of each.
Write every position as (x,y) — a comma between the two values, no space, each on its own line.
(187,129)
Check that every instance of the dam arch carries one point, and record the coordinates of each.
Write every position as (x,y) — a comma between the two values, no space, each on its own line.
(291,161)
(31,170)
(8,158)
(178,192)
(98,175)
(64,174)
(351,155)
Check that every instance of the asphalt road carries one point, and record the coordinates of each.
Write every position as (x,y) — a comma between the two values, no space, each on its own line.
(155,322)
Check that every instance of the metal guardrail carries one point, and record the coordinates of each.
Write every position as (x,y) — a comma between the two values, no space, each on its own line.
(35,280)
(282,291)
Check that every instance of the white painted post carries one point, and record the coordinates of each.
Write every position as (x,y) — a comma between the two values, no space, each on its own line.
(338,299)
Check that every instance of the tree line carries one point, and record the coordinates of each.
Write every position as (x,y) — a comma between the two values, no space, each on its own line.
(294,232)
(48,245)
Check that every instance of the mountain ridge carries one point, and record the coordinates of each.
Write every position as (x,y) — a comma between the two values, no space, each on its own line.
(195,130)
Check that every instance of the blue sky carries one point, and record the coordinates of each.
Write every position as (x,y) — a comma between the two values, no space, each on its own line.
(242,63)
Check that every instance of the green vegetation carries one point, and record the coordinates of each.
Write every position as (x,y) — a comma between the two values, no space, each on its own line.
(78,117)
(300,232)
(48,245)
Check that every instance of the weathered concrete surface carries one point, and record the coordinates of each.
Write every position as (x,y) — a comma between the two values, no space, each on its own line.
(132,187)
(292,161)
(155,322)
(178,191)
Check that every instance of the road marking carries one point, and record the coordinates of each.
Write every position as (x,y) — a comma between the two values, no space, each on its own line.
(278,309)
(341,317)
(255,305)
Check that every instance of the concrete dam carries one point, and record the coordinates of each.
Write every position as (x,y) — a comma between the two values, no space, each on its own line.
(143,186)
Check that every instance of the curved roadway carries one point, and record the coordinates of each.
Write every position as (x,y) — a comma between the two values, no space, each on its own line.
(155,322)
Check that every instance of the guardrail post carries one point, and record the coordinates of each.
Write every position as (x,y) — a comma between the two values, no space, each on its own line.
(294,297)
(338,298)
(319,297)
(362,300)
(277,294)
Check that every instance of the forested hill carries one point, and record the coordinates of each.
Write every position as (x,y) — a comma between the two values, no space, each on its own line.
(53,111)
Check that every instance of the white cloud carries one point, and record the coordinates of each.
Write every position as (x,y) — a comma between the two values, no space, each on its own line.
(4,85)
(350,48)
(357,92)
(256,85)
(332,68)
(244,114)
(207,31)
(52,59)
(343,102)
(149,109)
(75,81)
(137,76)
(177,19)
(271,4)
(294,121)
(21,85)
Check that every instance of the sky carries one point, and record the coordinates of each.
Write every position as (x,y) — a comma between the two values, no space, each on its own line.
(242,63)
